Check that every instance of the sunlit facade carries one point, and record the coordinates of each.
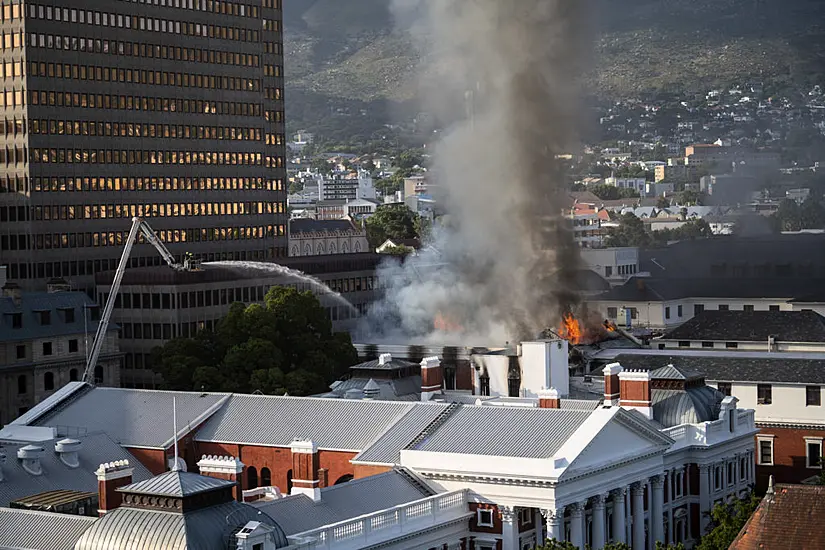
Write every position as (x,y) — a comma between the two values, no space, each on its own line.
(167,109)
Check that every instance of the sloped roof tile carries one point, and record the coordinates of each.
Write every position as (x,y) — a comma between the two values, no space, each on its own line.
(31,530)
(177,484)
(790,518)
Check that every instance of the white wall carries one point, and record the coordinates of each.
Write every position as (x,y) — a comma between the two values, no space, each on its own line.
(788,403)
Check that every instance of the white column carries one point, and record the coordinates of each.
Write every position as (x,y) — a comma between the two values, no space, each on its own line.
(752,459)
(540,528)
(577,524)
(509,527)
(704,497)
(555,523)
(637,491)
(671,536)
(657,504)
(619,521)
(599,534)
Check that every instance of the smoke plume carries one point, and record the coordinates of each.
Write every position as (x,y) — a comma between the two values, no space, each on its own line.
(501,267)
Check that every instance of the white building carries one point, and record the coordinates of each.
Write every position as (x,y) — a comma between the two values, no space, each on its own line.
(637,184)
(309,237)
(616,265)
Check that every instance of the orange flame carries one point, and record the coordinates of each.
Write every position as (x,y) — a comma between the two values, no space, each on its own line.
(570,329)
(445,324)
(609,325)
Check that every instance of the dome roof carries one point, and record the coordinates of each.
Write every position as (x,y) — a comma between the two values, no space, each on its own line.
(689,406)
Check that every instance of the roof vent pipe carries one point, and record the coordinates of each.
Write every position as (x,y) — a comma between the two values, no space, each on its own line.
(30,456)
(68,449)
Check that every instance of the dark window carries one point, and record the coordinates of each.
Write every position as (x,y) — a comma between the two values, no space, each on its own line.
(633,312)
(47,348)
(73,375)
(747,307)
(724,307)
(773,308)
(72,346)
(513,387)
(69,315)
(21,352)
(45,317)
(258,546)
(667,313)
(684,344)
(612,312)
(22,384)
(731,345)
(251,477)
(678,311)
(266,477)
(289,482)
(707,344)
(485,385)
(764,394)
(608,271)
(449,378)
(724,387)
(98,374)
(814,452)
(698,308)
(48,381)
(813,396)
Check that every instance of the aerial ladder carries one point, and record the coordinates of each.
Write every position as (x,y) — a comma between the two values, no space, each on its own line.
(139,227)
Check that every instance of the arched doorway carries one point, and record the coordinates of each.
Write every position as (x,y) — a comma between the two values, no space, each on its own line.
(344,479)
(289,482)
(266,477)
(251,478)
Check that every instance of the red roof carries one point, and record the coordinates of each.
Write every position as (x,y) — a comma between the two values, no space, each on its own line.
(792,517)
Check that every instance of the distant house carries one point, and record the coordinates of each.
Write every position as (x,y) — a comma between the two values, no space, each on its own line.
(309,237)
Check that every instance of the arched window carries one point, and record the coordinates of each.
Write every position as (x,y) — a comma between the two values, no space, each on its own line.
(332,248)
(344,479)
(344,248)
(48,381)
(73,375)
(266,477)
(22,384)
(295,250)
(357,246)
(320,249)
(289,481)
(307,250)
(98,374)
(251,477)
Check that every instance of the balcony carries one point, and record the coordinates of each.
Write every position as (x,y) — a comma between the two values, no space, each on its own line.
(711,433)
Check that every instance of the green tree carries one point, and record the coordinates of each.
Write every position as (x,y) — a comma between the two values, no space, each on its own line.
(398,250)
(631,232)
(689,197)
(409,159)
(391,222)
(726,522)
(811,214)
(320,165)
(662,202)
(285,344)
(787,216)
(295,187)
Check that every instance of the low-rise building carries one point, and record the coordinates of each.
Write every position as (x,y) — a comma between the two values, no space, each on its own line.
(309,237)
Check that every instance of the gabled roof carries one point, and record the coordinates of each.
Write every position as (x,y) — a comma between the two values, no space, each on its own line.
(340,424)
(672,372)
(792,517)
(177,484)
(56,303)
(298,513)
(95,449)
(134,418)
(386,449)
(30,530)
(752,326)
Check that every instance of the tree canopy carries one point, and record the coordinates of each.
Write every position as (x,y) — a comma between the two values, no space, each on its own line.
(631,232)
(792,217)
(395,222)
(283,345)
(726,522)
(611,192)
(553,544)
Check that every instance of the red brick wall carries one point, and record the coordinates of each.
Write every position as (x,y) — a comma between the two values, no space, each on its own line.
(463,376)
(108,497)
(495,529)
(635,390)
(153,459)
(366,470)
(789,456)
(279,461)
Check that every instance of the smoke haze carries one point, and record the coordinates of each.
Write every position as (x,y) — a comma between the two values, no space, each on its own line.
(502,266)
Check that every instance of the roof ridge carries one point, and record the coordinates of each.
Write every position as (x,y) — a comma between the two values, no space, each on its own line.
(6,509)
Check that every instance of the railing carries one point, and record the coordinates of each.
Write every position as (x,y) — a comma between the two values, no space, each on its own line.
(387,524)
(262,493)
(708,433)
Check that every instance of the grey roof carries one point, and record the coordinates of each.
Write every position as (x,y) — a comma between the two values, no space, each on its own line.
(659,287)
(341,424)
(396,389)
(752,326)
(32,303)
(95,449)
(580,404)
(776,369)
(387,448)
(392,364)
(177,484)
(134,418)
(211,528)
(505,431)
(690,406)
(42,408)
(298,513)
(672,372)
(30,530)
(308,225)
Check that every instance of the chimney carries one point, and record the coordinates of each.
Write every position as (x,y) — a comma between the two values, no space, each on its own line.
(30,456)
(68,449)
(549,399)
(305,469)
(223,467)
(432,377)
(12,290)
(384,358)
(110,477)
(611,383)
(634,391)
(323,477)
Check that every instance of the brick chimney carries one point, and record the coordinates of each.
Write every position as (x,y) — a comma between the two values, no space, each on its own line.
(305,469)
(611,383)
(110,477)
(223,467)
(432,377)
(634,391)
(549,399)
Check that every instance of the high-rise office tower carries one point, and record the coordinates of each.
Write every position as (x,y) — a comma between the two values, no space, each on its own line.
(167,109)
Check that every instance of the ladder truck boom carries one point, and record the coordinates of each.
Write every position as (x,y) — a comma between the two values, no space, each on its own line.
(139,226)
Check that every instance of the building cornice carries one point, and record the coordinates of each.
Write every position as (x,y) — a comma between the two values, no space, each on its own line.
(794,425)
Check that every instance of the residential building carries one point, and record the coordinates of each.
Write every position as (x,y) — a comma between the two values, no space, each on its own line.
(330,209)
(346,187)
(156,304)
(636,184)
(360,208)
(675,172)
(309,237)
(172,112)
(616,265)
(43,343)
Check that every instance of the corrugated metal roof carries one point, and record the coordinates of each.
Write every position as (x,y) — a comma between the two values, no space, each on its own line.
(177,484)
(298,513)
(32,530)
(134,418)
(580,404)
(691,406)
(331,423)
(31,303)
(52,401)
(54,498)
(210,528)
(95,449)
(392,364)
(398,389)
(386,449)
(672,372)
(505,431)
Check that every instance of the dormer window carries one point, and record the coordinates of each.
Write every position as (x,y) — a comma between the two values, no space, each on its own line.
(68,314)
(16,320)
(45,317)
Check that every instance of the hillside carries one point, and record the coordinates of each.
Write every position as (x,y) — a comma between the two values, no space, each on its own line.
(351,51)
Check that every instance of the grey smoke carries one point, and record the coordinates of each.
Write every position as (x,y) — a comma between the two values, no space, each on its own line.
(504,265)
